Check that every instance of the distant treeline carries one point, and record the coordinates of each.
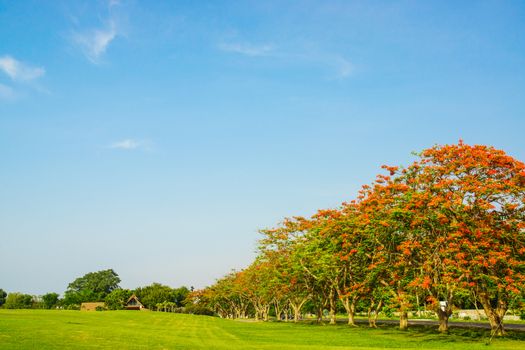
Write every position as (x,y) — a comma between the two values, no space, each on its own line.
(104,286)
(25,301)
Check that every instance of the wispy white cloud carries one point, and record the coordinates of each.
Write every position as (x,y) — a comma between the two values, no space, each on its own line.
(129,144)
(247,49)
(19,71)
(23,75)
(93,43)
(343,67)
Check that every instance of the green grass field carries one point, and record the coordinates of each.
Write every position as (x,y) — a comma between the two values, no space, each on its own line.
(43,329)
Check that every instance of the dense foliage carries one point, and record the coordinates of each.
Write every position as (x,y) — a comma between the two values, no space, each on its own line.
(3,295)
(18,301)
(116,300)
(448,228)
(158,296)
(50,300)
(93,286)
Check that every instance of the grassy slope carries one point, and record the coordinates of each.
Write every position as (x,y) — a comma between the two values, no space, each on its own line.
(41,329)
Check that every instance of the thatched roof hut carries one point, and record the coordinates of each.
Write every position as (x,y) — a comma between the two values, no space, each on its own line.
(92,306)
(133,303)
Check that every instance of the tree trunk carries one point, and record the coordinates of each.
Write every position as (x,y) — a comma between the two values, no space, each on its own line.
(373,313)
(403,320)
(350,309)
(494,314)
(234,310)
(403,310)
(278,314)
(376,313)
(332,315)
(443,319)
(296,314)
(418,308)
(278,310)
(371,323)
(333,306)
(319,314)
(496,322)
(244,309)
(266,313)
(297,309)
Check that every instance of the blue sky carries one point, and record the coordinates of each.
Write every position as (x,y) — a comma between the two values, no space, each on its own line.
(156,138)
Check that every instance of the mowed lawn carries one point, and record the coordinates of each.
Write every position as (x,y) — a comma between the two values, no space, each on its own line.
(53,329)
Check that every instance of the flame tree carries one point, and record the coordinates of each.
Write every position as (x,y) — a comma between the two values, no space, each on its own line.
(451,223)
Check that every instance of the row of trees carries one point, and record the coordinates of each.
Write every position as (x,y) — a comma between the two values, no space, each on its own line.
(26,301)
(448,228)
(104,286)
(100,286)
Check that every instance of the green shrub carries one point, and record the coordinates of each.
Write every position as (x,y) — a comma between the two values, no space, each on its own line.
(198,310)
(18,301)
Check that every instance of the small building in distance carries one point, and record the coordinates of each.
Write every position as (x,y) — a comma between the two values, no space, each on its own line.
(133,303)
(92,306)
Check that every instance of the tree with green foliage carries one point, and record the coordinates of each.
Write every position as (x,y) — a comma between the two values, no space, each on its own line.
(477,194)
(256,284)
(73,299)
(3,295)
(18,301)
(179,295)
(197,303)
(328,255)
(227,296)
(154,294)
(50,300)
(279,245)
(116,300)
(311,255)
(93,286)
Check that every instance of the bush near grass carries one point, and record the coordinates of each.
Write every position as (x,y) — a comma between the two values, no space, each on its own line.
(18,301)
(197,310)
